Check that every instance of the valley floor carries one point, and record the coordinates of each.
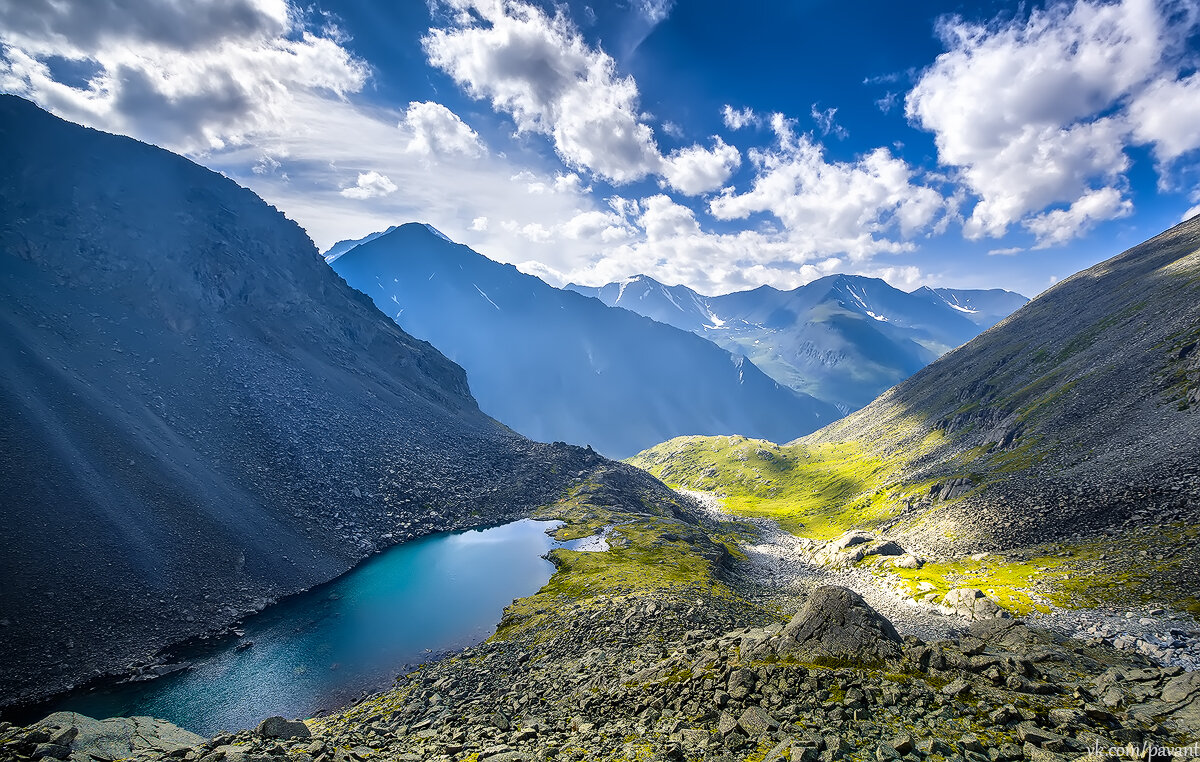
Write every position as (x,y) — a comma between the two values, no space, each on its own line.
(782,562)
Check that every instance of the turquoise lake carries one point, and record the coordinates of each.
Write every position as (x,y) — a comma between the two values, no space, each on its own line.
(321,649)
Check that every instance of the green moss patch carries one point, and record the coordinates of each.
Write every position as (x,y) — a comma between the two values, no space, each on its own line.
(812,490)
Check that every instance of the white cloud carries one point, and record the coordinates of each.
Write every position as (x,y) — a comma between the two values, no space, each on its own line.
(664,239)
(563,182)
(655,11)
(534,232)
(1033,112)
(698,170)
(540,71)
(1167,115)
(437,131)
(1061,225)
(605,227)
(888,102)
(825,120)
(1190,213)
(479,224)
(266,165)
(859,208)
(1005,252)
(370,185)
(736,119)
(192,76)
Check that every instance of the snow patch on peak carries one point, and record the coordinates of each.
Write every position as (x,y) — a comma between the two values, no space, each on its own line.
(437,232)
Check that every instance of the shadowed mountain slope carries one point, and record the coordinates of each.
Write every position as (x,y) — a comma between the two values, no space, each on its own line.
(197,416)
(555,365)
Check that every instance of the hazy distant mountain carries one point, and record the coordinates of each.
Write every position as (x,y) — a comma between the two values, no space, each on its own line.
(555,365)
(843,338)
(985,308)
(341,247)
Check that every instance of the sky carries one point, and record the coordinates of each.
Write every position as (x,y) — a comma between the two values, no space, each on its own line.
(714,144)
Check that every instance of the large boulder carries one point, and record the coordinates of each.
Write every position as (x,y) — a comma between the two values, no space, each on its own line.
(971,604)
(281,727)
(836,624)
(83,739)
(854,546)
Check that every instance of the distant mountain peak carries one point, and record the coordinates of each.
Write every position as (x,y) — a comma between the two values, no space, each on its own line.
(340,248)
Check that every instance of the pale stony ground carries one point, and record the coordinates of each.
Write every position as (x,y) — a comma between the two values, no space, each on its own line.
(782,561)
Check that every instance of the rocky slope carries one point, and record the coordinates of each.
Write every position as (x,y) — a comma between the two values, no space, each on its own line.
(197,416)
(842,338)
(557,366)
(1063,441)
(619,658)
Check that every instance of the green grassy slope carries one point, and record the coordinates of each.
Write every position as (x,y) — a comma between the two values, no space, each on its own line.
(1069,428)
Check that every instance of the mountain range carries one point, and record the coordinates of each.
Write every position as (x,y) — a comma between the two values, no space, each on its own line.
(843,339)
(555,365)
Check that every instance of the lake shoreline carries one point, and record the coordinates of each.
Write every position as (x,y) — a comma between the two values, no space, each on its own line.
(183,656)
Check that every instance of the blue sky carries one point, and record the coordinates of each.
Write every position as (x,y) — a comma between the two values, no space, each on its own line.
(721,145)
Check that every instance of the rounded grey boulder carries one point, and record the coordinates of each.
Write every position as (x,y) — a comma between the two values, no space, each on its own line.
(837,624)
(280,727)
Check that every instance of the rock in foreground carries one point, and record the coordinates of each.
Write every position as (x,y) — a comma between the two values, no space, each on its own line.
(68,735)
(837,624)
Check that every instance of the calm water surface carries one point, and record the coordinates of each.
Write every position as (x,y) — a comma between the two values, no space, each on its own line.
(321,649)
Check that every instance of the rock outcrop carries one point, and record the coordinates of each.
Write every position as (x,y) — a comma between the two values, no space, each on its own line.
(78,738)
(836,624)
(281,727)
(971,604)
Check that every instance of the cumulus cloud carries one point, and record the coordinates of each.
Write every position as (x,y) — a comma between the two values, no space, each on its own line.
(437,131)
(1190,213)
(699,170)
(1061,225)
(859,208)
(1036,112)
(662,238)
(1167,115)
(539,70)
(534,232)
(370,185)
(479,224)
(607,227)
(736,119)
(191,76)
